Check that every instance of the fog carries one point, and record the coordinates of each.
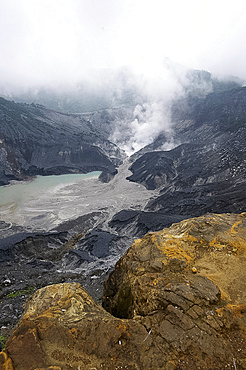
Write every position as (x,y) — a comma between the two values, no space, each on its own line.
(61,44)
(59,41)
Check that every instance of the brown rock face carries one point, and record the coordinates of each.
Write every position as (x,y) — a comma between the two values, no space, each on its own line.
(63,328)
(178,298)
(187,286)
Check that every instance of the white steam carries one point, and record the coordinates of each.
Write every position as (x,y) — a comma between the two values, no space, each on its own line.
(154,95)
(152,113)
(150,119)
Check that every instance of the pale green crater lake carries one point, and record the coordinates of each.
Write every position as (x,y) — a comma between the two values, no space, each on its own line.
(19,193)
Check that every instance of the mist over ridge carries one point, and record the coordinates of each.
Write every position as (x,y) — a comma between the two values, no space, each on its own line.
(143,101)
(85,56)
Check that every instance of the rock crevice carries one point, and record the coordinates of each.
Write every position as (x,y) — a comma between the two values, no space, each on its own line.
(176,300)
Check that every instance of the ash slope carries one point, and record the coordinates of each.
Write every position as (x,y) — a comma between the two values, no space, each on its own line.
(38,141)
(207,172)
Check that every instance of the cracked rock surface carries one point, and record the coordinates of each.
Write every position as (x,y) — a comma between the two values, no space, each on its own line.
(186,284)
(176,300)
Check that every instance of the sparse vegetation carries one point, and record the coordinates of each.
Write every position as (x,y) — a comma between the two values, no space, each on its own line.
(21,292)
(2,341)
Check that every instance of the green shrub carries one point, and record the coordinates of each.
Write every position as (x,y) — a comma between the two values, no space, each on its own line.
(21,292)
(2,340)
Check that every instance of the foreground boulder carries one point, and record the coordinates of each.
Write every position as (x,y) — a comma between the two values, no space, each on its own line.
(176,300)
(187,286)
(63,327)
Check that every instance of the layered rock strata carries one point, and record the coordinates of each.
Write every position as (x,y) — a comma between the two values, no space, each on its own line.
(176,300)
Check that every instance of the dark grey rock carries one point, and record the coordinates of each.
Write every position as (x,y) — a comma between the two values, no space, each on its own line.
(39,141)
(207,173)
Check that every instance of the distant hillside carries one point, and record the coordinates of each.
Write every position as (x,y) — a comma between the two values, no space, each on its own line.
(38,141)
(207,171)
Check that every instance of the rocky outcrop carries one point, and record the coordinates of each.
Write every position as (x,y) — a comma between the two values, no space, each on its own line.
(62,326)
(176,300)
(186,285)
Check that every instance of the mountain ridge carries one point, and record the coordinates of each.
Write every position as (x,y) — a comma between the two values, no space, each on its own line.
(38,141)
(209,162)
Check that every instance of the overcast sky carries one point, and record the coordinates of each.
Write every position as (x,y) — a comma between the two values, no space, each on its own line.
(59,40)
